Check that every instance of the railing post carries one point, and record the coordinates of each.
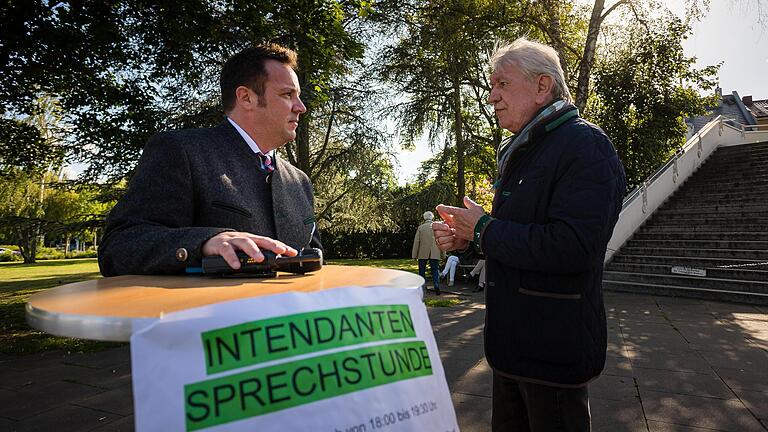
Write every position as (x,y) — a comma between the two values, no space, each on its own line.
(644,194)
(675,171)
(700,147)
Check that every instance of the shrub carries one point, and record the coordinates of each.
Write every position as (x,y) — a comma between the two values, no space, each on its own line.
(88,253)
(10,256)
(48,253)
(369,245)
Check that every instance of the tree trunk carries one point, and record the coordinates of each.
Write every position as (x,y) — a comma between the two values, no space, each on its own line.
(302,132)
(66,246)
(27,244)
(588,57)
(302,144)
(458,136)
(552,8)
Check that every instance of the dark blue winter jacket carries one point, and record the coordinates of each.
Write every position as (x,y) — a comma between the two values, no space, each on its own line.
(554,212)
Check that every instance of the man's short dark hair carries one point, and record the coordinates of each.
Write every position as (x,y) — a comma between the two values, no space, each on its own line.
(246,68)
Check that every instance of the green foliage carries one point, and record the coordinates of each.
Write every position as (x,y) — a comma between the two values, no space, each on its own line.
(91,81)
(21,147)
(79,52)
(125,69)
(350,168)
(34,206)
(411,201)
(440,66)
(88,253)
(10,256)
(644,90)
(49,253)
(480,173)
(369,245)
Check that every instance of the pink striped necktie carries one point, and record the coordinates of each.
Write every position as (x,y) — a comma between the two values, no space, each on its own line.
(265,163)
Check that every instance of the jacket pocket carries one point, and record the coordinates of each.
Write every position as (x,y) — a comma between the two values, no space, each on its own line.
(550,329)
(526,291)
(231,208)
(554,286)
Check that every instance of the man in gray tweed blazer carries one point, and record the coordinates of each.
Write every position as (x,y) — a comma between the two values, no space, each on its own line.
(201,192)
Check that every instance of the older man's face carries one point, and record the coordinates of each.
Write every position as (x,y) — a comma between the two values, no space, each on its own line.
(514,97)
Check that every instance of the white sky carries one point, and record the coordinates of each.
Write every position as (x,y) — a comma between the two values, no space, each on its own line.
(729,33)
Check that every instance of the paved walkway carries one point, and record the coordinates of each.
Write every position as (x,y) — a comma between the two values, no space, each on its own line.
(673,365)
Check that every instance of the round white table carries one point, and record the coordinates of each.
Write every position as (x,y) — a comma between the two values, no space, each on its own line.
(105,309)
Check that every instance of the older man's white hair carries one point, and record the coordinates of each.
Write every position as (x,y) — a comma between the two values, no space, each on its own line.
(428,215)
(533,59)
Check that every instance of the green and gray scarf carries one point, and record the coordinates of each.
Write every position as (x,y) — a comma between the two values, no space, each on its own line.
(551,117)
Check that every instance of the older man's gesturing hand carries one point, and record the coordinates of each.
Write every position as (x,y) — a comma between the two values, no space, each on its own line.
(458,229)
(445,238)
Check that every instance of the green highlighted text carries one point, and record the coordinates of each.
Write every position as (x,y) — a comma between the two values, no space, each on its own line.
(274,388)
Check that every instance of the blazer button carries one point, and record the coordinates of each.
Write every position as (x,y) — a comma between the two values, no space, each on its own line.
(181,254)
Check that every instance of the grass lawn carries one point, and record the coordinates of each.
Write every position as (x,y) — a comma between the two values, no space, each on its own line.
(19,281)
(409,265)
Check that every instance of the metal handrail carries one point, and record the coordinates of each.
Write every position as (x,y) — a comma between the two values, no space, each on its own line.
(751,128)
(695,139)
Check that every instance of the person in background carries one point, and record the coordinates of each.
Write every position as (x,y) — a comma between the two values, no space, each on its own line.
(479,269)
(425,250)
(557,197)
(450,269)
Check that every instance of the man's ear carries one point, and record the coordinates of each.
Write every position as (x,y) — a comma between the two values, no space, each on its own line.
(544,86)
(245,98)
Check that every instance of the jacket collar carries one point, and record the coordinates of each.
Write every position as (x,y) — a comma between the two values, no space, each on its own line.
(553,121)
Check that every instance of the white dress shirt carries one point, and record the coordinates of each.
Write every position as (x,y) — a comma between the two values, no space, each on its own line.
(251,143)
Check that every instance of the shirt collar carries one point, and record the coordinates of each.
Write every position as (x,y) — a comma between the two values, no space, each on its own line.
(248,140)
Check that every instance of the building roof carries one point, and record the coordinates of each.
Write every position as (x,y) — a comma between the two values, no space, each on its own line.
(728,107)
(759,108)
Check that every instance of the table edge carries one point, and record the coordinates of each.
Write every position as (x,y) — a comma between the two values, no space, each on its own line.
(92,327)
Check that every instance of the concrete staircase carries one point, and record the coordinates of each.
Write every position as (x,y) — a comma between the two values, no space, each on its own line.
(709,240)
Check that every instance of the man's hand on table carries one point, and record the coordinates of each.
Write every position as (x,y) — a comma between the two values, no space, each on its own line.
(228,243)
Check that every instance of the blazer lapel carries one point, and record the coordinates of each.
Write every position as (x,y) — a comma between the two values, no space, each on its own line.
(231,137)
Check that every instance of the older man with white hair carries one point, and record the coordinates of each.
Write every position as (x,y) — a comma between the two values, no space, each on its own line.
(557,197)
(425,250)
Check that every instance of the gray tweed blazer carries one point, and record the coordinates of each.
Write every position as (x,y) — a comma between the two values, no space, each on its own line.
(192,184)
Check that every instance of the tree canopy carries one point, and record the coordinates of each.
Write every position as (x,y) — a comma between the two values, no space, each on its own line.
(644,90)
(89,82)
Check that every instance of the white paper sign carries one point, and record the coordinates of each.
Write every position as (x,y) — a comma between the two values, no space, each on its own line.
(690,271)
(347,359)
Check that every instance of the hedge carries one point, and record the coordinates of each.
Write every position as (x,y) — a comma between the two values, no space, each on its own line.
(369,244)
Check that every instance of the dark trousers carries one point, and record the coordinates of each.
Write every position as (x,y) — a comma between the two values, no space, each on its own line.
(525,407)
(434,267)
